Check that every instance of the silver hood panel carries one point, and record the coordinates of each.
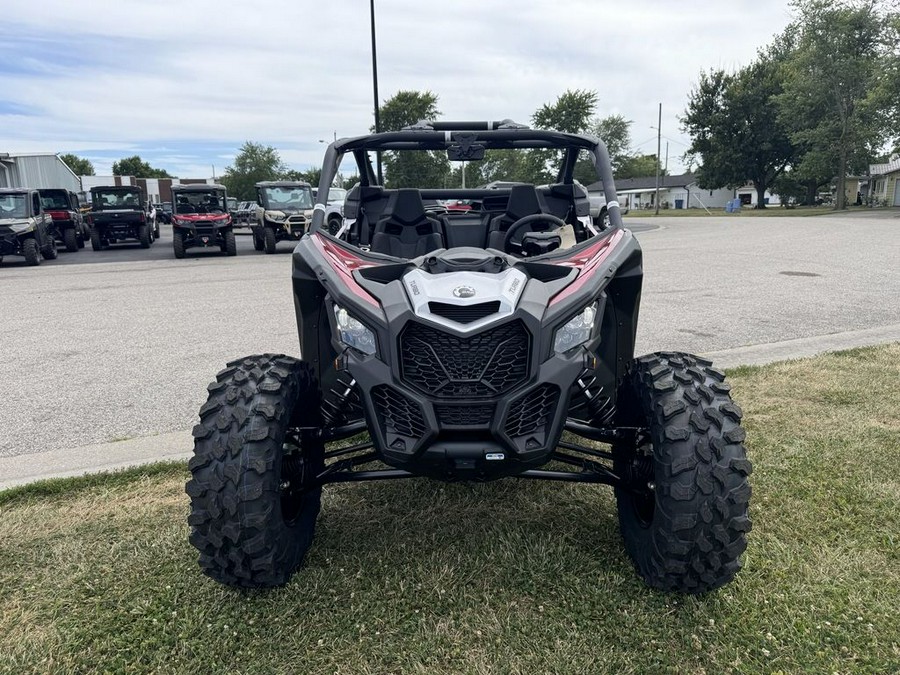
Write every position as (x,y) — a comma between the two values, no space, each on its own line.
(464,289)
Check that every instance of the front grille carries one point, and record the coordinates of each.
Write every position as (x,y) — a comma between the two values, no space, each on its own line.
(399,416)
(485,364)
(464,313)
(464,415)
(532,412)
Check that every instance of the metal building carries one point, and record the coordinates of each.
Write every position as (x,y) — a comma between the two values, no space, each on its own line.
(36,170)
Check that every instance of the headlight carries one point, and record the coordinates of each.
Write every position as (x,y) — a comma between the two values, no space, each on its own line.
(353,333)
(576,331)
(275,215)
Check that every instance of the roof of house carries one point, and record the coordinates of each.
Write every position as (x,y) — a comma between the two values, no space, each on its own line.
(887,167)
(647,183)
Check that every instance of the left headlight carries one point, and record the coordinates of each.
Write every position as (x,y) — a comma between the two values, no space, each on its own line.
(353,332)
(275,215)
(576,331)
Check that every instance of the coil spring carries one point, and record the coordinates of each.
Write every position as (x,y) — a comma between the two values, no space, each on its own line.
(341,402)
(600,409)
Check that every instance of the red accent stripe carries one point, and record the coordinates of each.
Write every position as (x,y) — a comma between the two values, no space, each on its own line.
(343,262)
(587,262)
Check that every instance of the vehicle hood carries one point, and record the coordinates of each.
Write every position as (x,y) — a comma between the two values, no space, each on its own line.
(17,224)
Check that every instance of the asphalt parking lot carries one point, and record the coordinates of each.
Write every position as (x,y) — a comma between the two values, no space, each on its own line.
(120,344)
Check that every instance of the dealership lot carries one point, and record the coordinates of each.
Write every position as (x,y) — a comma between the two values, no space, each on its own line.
(102,347)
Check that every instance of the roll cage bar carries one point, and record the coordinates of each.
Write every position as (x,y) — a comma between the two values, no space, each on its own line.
(493,135)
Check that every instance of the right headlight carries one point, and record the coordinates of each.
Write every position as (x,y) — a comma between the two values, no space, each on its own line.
(576,331)
(353,332)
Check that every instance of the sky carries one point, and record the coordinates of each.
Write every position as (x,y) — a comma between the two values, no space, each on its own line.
(183,83)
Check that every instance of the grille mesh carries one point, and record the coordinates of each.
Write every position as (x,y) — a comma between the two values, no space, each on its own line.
(465,415)
(532,412)
(399,415)
(464,313)
(485,364)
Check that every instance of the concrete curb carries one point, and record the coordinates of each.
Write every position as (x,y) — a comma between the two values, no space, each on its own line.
(22,469)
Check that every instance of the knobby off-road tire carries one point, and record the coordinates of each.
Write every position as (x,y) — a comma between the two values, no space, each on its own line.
(230,247)
(687,533)
(31,252)
(258,244)
(334,226)
(269,238)
(178,243)
(250,530)
(96,240)
(144,236)
(70,238)
(50,252)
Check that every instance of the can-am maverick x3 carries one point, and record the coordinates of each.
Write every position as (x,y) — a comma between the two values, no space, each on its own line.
(466,343)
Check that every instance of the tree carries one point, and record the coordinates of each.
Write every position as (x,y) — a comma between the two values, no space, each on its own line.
(135,166)
(735,128)
(414,168)
(841,92)
(253,163)
(78,165)
(615,132)
(311,176)
(639,166)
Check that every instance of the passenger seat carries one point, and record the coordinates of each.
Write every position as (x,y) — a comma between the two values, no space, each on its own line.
(405,230)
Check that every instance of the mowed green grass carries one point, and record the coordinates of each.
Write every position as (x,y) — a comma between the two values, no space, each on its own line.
(509,577)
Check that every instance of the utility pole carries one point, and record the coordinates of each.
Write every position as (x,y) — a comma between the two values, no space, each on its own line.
(666,172)
(658,151)
(464,175)
(375,87)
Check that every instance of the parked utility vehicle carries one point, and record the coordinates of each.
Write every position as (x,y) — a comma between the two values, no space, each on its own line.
(68,226)
(201,219)
(284,213)
(118,214)
(24,227)
(465,344)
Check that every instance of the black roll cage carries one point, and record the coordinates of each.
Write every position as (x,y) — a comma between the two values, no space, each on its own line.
(503,135)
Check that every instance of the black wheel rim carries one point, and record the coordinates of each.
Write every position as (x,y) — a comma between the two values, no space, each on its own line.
(643,498)
(295,478)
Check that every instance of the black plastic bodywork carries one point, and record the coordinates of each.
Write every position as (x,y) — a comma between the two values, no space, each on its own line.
(476,428)
(120,221)
(63,207)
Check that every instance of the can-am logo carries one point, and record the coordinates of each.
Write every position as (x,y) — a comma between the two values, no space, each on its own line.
(464,292)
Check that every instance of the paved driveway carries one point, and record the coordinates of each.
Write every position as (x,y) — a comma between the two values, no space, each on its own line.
(101,347)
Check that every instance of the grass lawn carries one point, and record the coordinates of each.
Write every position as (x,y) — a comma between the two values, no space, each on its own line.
(509,577)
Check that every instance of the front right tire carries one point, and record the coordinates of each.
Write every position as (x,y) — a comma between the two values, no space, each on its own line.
(70,239)
(96,240)
(254,500)
(31,252)
(144,236)
(178,243)
(270,240)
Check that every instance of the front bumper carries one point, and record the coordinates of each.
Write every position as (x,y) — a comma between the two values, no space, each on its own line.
(203,235)
(475,408)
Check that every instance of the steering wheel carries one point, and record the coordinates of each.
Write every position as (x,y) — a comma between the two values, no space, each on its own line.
(528,220)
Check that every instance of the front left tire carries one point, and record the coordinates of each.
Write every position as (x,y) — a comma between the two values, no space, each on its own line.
(254,499)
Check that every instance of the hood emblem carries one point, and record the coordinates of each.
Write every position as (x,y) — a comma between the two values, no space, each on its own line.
(464,292)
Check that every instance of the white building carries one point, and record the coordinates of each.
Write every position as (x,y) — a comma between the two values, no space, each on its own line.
(675,192)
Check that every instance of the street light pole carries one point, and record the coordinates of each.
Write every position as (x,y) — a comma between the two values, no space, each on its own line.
(658,150)
(375,87)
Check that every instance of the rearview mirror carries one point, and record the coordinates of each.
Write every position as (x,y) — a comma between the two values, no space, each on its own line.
(465,152)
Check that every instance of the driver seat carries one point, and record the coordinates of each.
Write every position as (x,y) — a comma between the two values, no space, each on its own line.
(524,200)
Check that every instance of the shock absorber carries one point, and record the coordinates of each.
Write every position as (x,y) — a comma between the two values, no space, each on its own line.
(341,403)
(599,409)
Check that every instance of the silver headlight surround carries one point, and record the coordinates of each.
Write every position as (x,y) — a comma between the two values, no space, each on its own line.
(353,333)
(576,331)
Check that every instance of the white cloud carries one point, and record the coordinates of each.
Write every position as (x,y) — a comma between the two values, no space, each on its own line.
(151,73)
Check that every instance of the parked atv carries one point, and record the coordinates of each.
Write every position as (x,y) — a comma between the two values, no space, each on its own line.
(119,214)
(69,227)
(283,214)
(465,344)
(24,227)
(201,219)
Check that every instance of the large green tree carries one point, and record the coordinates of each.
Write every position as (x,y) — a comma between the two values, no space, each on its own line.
(841,95)
(415,168)
(254,163)
(135,166)
(79,165)
(639,166)
(735,128)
